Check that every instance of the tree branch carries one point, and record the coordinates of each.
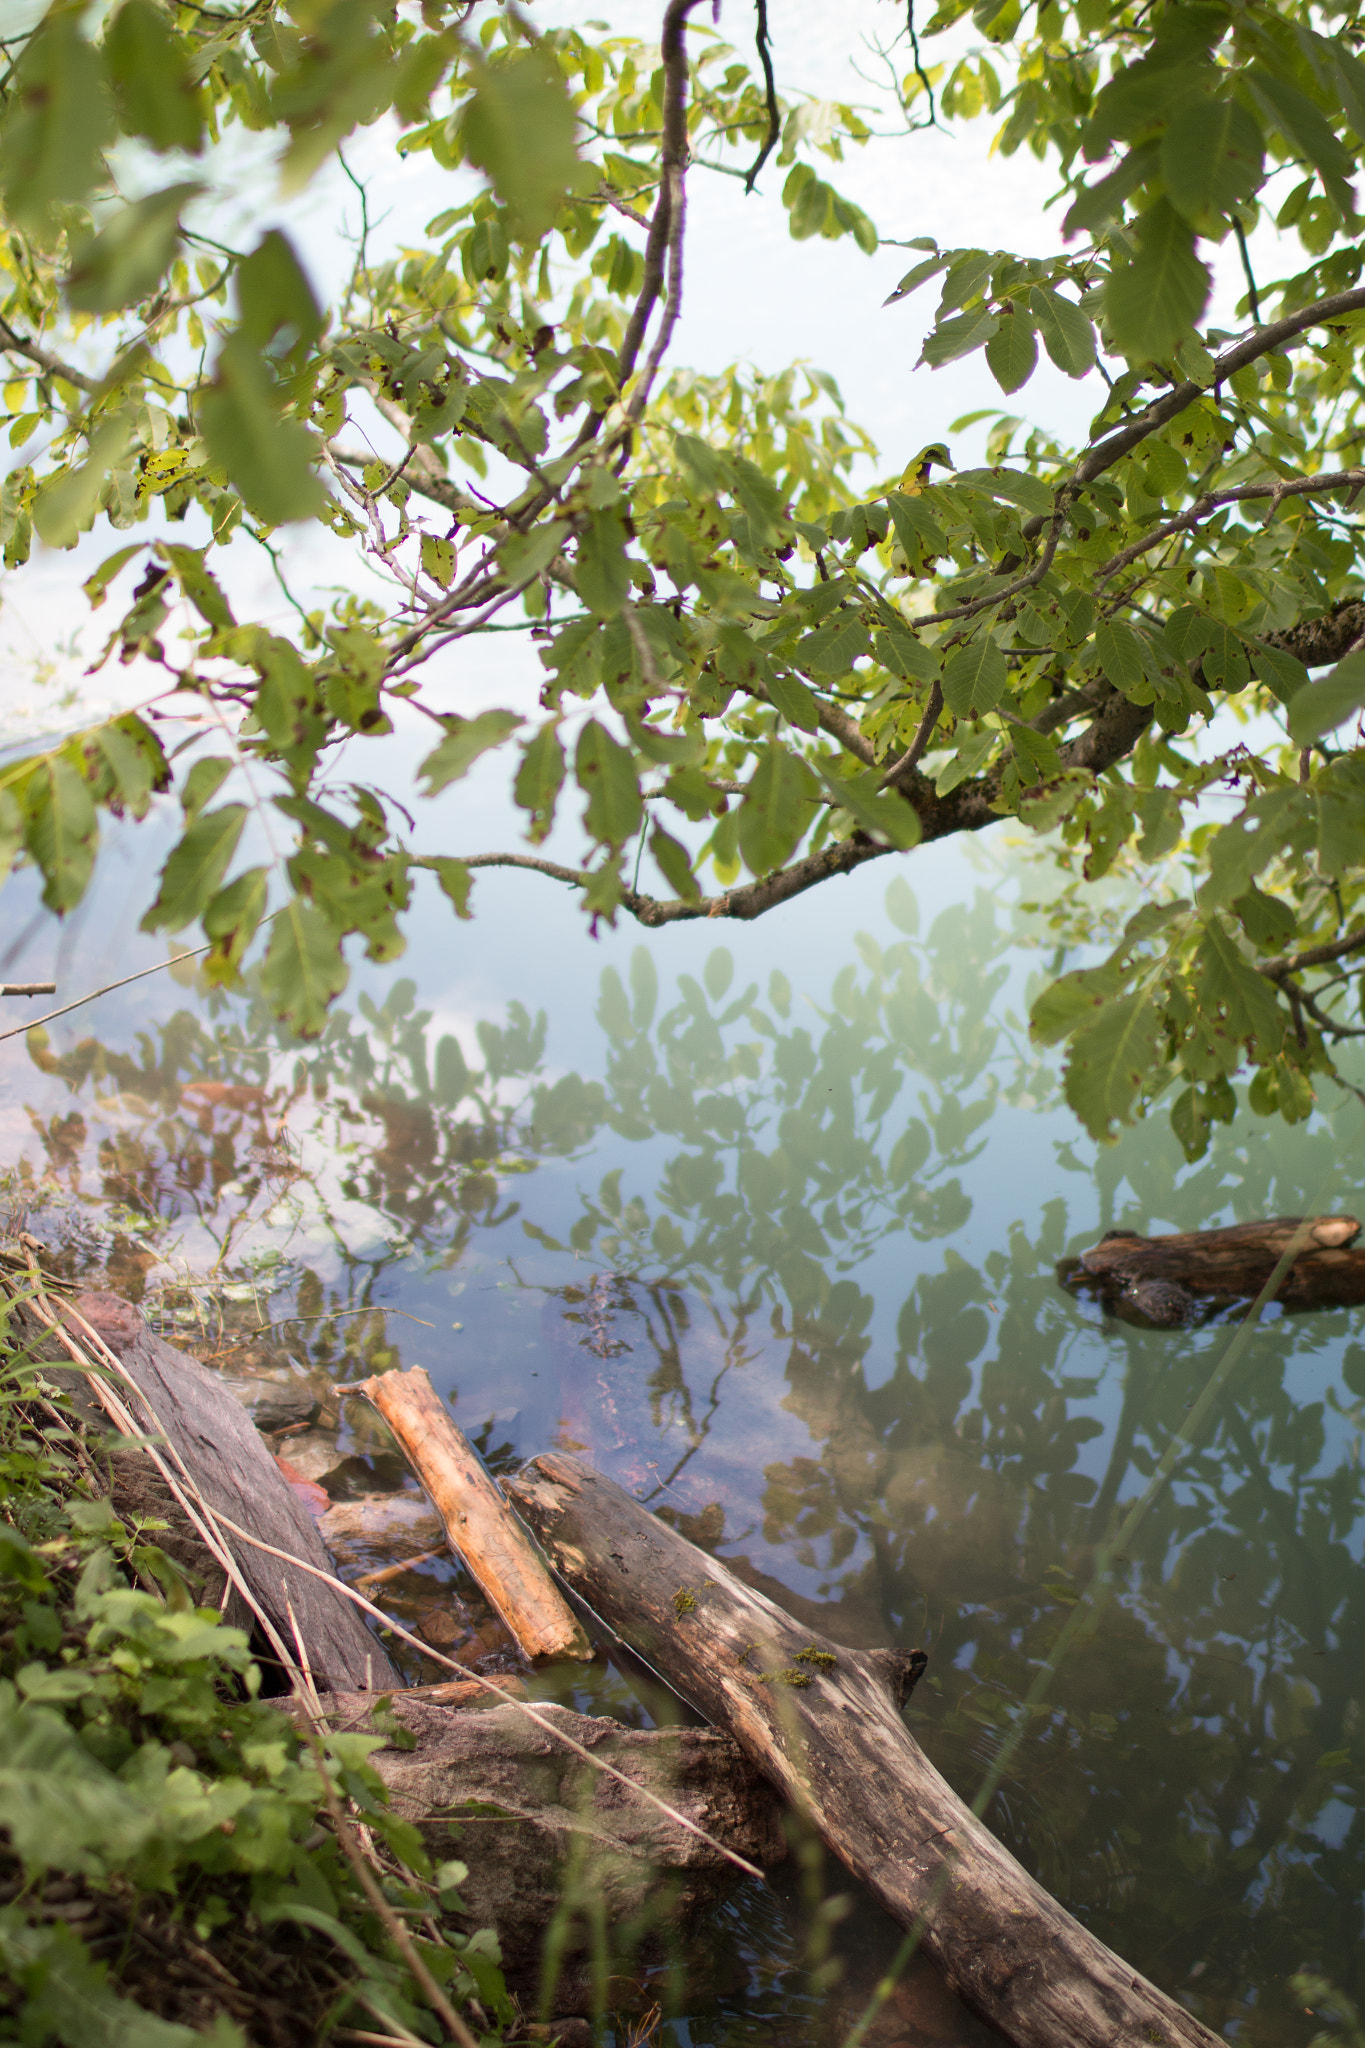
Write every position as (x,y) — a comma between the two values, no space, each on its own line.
(1332,480)
(15,344)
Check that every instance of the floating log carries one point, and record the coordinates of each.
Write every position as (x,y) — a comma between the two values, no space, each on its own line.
(233,1469)
(1175,1280)
(824,1724)
(547,1839)
(481,1527)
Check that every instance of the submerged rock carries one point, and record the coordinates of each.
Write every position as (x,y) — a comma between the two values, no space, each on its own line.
(272,1404)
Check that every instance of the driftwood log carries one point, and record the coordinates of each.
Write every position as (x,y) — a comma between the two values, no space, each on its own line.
(824,1724)
(236,1474)
(1171,1281)
(481,1527)
(547,1837)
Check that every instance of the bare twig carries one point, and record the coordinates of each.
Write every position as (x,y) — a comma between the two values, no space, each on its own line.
(770,88)
(174,960)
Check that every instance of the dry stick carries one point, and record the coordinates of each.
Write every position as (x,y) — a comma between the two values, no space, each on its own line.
(109,986)
(405,1564)
(223,1521)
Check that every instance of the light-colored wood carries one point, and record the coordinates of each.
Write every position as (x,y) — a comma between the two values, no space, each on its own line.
(481,1527)
(823,1724)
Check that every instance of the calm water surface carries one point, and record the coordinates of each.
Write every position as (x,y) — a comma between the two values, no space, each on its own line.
(765,1223)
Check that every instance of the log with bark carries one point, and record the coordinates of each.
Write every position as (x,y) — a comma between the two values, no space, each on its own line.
(1178,1280)
(231,1466)
(499,1554)
(549,1841)
(823,1723)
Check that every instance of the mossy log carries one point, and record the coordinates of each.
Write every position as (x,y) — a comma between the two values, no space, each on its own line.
(823,1723)
(552,1844)
(1176,1280)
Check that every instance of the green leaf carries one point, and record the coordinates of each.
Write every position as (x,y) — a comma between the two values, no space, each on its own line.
(1119,654)
(60,831)
(540,779)
(1110,1060)
(455,881)
(1152,301)
(519,129)
(198,582)
(975,677)
(674,864)
(885,817)
(834,647)
(965,762)
(56,121)
(1067,334)
(776,810)
(958,337)
(274,297)
(303,969)
(606,775)
(462,746)
(269,459)
(195,868)
(96,586)
(147,64)
(601,571)
(67,503)
(438,560)
(1012,351)
(1211,155)
(1239,1006)
(921,274)
(1322,706)
(137,766)
(127,260)
(1306,130)
(231,920)
(795,702)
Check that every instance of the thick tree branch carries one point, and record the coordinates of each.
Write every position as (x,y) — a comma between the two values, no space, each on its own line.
(1316,642)
(667,204)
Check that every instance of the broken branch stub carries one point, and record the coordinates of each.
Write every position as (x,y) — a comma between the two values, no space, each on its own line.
(478,1522)
(823,1723)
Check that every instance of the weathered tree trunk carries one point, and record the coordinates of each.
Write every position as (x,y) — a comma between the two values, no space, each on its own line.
(824,1724)
(547,1837)
(236,1474)
(479,1523)
(1169,1280)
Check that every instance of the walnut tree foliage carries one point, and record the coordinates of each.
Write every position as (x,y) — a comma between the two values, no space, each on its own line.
(757,674)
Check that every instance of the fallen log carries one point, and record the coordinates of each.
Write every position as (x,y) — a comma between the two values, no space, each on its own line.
(550,1841)
(233,1469)
(478,1522)
(1172,1281)
(824,1724)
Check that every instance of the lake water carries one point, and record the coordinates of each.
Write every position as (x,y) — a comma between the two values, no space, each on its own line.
(765,1223)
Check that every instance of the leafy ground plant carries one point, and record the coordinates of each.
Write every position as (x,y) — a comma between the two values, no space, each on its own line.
(178,1865)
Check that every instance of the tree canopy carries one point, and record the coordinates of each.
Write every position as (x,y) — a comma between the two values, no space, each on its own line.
(759,673)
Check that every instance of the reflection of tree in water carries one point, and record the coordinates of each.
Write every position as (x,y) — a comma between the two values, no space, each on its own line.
(1191,1785)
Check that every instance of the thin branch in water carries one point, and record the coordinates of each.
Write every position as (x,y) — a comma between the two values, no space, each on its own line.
(770,86)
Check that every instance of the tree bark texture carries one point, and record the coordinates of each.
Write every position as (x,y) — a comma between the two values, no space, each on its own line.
(549,1841)
(481,1527)
(1172,1280)
(824,1724)
(236,1474)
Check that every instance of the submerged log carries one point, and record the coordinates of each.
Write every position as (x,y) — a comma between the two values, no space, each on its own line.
(551,1842)
(481,1527)
(233,1469)
(824,1724)
(1172,1281)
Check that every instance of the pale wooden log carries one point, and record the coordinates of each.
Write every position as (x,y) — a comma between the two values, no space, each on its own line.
(1171,1279)
(481,1527)
(824,1724)
(231,1466)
